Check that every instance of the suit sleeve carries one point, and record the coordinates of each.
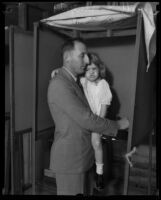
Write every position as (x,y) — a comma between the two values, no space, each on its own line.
(64,96)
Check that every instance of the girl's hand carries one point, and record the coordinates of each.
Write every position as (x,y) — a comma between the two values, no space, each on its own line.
(54,73)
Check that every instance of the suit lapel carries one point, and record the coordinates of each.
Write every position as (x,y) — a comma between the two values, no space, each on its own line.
(72,82)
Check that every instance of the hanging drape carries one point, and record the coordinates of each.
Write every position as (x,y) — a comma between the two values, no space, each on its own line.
(143,122)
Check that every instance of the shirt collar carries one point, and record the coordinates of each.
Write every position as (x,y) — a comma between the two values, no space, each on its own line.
(75,79)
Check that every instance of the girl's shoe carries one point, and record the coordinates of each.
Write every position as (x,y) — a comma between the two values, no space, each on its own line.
(99,182)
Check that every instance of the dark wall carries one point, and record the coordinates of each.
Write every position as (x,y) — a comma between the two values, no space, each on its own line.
(49,58)
(118,55)
(23,79)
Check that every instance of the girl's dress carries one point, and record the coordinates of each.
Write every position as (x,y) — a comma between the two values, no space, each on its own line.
(96,94)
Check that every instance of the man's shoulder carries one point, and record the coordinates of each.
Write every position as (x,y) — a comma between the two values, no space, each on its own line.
(56,86)
(57,81)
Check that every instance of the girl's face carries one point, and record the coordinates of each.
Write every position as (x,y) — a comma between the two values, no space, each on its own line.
(92,72)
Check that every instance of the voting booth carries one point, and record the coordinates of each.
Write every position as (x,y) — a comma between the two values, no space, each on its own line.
(124,44)
(123,37)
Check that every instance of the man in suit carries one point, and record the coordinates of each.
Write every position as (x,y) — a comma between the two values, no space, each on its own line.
(72,155)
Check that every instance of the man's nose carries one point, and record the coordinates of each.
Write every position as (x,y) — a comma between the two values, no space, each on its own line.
(86,59)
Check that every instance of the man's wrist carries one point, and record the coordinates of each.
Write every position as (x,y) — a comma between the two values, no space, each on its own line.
(118,124)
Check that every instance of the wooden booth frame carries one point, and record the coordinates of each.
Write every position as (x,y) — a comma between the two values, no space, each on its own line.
(110,33)
(16,136)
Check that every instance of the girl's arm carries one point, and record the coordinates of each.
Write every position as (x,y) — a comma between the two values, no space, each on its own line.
(103,110)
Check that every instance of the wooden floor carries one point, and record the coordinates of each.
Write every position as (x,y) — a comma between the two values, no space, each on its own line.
(139,174)
(138,177)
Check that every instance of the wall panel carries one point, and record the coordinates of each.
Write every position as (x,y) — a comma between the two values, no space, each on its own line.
(118,55)
(49,58)
(23,79)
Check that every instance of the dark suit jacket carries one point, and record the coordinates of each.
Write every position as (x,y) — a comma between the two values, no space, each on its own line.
(71,151)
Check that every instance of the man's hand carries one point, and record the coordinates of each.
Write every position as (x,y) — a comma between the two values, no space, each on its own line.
(123,123)
(122,133)
(54,73)
(129,155)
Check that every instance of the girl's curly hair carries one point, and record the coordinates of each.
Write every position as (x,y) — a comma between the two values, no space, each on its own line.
(94,58)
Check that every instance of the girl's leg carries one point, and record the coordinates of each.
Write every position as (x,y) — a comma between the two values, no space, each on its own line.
(97,145)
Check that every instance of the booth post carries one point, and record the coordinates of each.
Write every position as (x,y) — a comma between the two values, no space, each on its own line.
(150,164)
(12,112)
(34,125)
(15,139)
(137,49)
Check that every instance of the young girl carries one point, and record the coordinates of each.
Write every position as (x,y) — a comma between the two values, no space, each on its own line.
(99,97)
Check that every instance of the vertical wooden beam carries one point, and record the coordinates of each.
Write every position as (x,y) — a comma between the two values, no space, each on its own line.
(136,59)
(109,33)
(12,103)
(15,140)
(21,163)
(7,156)
(22,16)
(34,125)
(30,157)
(150,164)
(89,3)
(76,33)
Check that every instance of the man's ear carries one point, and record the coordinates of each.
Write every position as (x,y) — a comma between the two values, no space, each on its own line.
(67,56)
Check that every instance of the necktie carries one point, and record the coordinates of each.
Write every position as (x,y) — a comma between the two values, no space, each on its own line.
(79,84)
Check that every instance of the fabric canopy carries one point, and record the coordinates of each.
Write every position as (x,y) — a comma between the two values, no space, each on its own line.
(97,18)
(91,18)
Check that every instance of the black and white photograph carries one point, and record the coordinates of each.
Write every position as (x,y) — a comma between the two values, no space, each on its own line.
(81,98)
